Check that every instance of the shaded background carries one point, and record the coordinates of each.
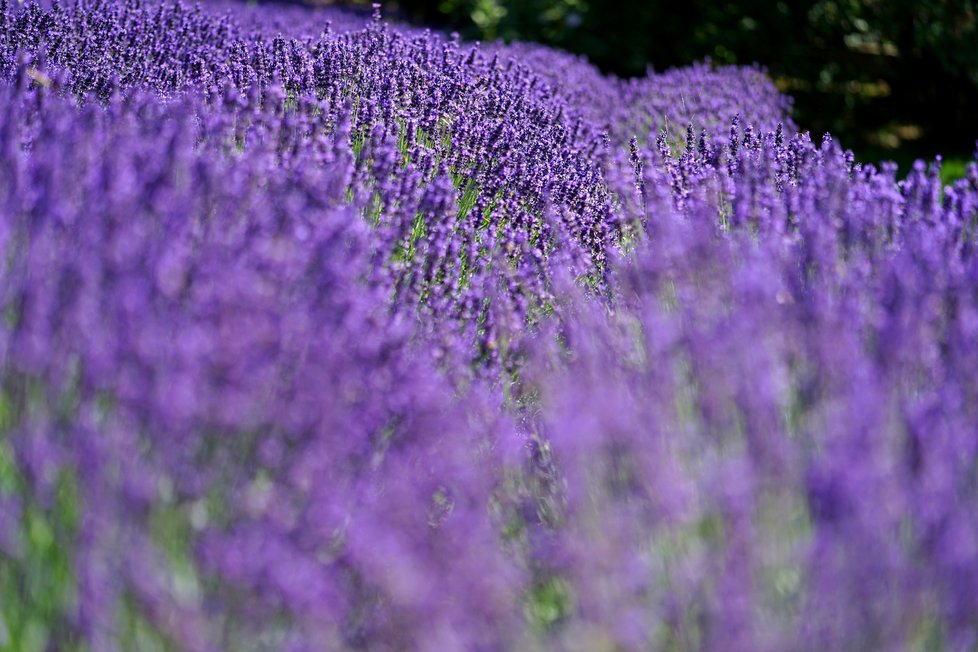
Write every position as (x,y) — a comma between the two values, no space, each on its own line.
(891,79)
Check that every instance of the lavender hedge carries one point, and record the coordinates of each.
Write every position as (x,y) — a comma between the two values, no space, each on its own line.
(321,333)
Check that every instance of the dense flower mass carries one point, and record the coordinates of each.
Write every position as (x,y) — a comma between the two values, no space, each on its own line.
(321,333)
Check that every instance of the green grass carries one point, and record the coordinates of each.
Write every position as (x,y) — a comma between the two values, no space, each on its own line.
(953,169)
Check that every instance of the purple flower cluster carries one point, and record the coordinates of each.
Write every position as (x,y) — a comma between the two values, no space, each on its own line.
(319,333)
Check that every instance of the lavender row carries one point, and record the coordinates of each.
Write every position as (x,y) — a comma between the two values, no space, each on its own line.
(376,340)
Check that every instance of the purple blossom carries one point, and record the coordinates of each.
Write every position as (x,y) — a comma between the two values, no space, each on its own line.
(320,332)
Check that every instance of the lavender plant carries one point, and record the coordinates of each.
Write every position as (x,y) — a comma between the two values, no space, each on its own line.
(325,333)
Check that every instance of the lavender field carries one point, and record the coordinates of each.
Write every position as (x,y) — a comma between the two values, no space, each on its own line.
(324,333)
